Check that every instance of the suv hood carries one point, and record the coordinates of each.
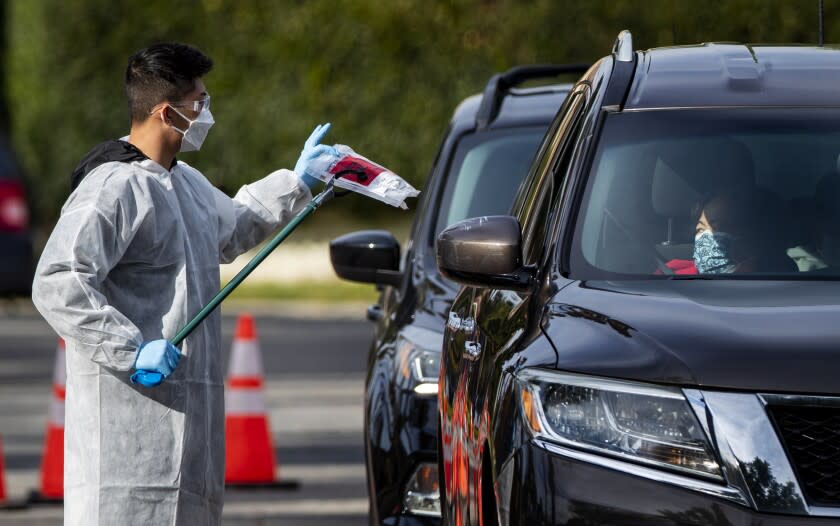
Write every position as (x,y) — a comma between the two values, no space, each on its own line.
(732,334)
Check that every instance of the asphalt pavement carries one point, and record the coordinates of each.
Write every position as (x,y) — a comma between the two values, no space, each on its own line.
(314,358)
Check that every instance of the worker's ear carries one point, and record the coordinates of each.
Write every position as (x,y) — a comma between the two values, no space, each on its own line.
(164,115)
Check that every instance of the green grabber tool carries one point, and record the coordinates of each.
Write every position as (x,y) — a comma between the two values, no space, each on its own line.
(281,236)
(313,205)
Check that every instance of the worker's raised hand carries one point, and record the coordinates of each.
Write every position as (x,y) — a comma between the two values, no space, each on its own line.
(155,361)
(317,135)
(312,149)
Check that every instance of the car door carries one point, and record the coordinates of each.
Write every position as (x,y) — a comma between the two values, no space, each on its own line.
(487,325)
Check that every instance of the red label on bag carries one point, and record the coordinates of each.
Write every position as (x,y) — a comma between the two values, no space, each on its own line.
(361,171)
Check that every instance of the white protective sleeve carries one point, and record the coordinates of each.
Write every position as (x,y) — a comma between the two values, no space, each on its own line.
(257,210)
(93,232)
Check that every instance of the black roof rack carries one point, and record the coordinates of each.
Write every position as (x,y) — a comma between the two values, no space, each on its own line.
(500,84)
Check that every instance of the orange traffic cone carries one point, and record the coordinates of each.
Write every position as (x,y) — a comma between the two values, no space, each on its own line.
(249,449)
(52,462)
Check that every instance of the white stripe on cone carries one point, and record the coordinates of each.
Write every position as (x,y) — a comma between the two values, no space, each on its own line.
(242,401)
(245,359)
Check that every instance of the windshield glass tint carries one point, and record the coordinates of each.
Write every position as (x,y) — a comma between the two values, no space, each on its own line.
(486,172)
(717,193)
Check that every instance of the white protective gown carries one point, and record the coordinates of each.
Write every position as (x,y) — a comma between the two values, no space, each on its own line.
(133,257)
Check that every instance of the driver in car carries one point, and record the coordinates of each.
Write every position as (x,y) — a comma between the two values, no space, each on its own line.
(739,232)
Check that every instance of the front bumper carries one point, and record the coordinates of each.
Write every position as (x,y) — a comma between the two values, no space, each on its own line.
(542,484)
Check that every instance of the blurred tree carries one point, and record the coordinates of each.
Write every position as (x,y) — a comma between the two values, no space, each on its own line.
(387,74)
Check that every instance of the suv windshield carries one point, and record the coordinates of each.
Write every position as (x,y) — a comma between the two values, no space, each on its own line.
(713,192)
(486,172)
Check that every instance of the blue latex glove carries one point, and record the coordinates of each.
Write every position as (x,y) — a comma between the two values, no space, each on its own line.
(311,150)
(155,361)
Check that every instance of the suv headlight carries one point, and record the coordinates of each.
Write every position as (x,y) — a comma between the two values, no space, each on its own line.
(641,423)
(418,358)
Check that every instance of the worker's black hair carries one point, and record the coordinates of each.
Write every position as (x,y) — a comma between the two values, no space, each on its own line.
(162,73)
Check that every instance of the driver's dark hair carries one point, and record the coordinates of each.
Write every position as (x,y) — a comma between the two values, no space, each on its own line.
(163,72)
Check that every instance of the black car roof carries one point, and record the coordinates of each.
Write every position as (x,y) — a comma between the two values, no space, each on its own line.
(735,75)
(520,107)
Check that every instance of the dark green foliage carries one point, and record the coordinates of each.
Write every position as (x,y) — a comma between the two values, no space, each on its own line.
(387,74)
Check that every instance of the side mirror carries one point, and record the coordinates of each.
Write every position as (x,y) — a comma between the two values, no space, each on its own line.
(484,252)
(367,256)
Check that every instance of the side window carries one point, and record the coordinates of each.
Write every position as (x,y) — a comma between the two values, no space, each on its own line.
(534,208)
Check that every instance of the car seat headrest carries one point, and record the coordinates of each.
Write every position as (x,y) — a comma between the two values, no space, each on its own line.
(689,171)
(672,195)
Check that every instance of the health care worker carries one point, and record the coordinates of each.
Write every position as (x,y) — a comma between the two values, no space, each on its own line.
(134,255)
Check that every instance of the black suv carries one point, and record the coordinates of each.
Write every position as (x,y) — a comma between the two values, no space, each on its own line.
(482,160)
(651,337)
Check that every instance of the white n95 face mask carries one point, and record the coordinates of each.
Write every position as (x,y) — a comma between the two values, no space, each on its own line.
(196,132)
